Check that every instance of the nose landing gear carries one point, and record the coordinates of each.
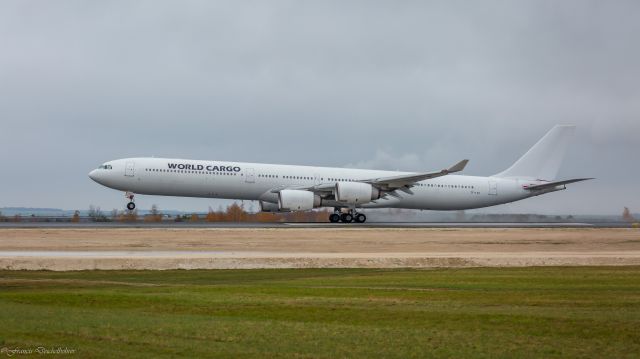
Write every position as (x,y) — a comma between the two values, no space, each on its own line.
(131,205)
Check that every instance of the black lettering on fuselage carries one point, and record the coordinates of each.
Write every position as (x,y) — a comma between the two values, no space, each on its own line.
(210,168)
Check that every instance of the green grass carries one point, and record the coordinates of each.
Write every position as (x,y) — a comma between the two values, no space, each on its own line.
(326,313)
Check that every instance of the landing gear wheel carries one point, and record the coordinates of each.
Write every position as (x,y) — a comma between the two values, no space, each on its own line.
(334,218)
(130,206)
(360,218)
(346,217)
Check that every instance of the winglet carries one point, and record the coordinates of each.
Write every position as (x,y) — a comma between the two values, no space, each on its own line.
(458,166)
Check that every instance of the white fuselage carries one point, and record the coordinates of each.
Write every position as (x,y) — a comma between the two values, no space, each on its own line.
(255,181)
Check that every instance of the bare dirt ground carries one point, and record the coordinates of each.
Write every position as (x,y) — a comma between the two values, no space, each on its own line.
(125,248)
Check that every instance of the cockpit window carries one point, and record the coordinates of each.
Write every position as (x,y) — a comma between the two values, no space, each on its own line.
(105,167)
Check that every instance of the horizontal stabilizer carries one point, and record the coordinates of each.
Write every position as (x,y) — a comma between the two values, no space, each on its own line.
(555,184)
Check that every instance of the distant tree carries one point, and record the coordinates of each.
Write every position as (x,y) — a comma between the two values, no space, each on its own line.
(265,217)
(236,213)
(76,217)
(298,216)
(194,218)
(322,215)
(212,216)
(626,215)
(92,212)
(129,216)
(2,219)
(17,218)
(114,214)
(154,215)
(96,214)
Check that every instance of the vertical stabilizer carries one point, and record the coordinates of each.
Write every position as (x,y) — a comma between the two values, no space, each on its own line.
(543,160)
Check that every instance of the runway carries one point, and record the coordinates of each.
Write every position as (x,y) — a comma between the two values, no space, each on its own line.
(315,225)
(318,247)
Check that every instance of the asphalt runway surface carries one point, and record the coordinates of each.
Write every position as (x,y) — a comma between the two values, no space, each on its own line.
(313,246)
(316,225)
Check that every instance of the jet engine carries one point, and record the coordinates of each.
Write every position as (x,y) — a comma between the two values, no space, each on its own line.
(268,207)
(297,200)
(356,192)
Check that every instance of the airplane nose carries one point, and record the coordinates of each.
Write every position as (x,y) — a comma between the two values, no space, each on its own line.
(94,175)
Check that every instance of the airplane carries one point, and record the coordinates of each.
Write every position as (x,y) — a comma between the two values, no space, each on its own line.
(285,188)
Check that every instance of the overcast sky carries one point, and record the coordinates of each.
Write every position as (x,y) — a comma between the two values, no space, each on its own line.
(389,85)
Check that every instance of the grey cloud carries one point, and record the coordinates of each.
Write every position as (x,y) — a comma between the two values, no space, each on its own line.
(407,85)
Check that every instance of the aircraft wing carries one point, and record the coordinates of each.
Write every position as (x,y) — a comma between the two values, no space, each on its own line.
(555,184)
(394,182)
(384,183)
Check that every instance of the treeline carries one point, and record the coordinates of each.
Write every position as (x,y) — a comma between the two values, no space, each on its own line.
(232,213)
(518,218)
(237,213)
(14,218)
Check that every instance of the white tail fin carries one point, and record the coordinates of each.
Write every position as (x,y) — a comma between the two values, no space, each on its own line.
(543,160)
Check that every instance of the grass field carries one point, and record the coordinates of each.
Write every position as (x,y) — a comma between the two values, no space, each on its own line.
(326,313)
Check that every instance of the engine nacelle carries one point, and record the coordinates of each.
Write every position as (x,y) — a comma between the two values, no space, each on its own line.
(297,200)
(269,207)
(356,192)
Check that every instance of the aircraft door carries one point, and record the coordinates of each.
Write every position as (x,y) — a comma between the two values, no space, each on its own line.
(317,179)
(493,188)
(129,169)
(250,176)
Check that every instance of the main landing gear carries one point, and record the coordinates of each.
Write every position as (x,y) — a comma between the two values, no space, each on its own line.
(347,217)
(131,205)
